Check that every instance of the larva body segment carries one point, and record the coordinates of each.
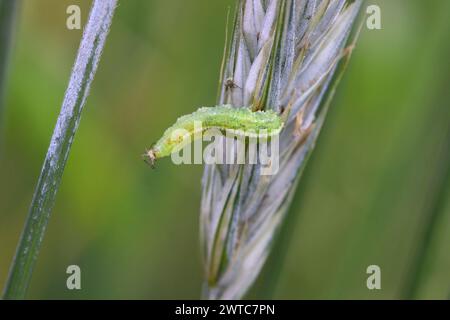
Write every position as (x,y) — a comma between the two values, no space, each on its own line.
(238,120)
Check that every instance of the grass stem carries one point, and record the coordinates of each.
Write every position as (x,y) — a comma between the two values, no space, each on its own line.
(83,72)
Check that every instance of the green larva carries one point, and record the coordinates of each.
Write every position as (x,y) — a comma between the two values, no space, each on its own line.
(240,120)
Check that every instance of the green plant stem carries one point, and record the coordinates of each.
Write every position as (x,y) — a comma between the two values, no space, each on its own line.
(435,199)
(426,240)
(83,72)
(8,11)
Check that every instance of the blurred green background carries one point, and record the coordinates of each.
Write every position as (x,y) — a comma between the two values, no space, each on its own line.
(376,190)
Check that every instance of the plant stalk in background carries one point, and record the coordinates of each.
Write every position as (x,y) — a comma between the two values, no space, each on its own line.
(283,56)
(8,11)
(83,72)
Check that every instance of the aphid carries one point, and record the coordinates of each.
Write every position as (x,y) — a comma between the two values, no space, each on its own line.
(230,84)
(238,120)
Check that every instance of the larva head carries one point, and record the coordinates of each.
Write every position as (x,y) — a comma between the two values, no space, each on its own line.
(150,157)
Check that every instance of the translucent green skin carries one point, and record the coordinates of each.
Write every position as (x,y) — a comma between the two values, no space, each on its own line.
(223,117)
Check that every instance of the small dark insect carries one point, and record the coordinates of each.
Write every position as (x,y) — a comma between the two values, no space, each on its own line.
(230,84)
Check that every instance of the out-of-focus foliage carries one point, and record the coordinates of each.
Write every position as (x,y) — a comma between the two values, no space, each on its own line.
(370,188)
